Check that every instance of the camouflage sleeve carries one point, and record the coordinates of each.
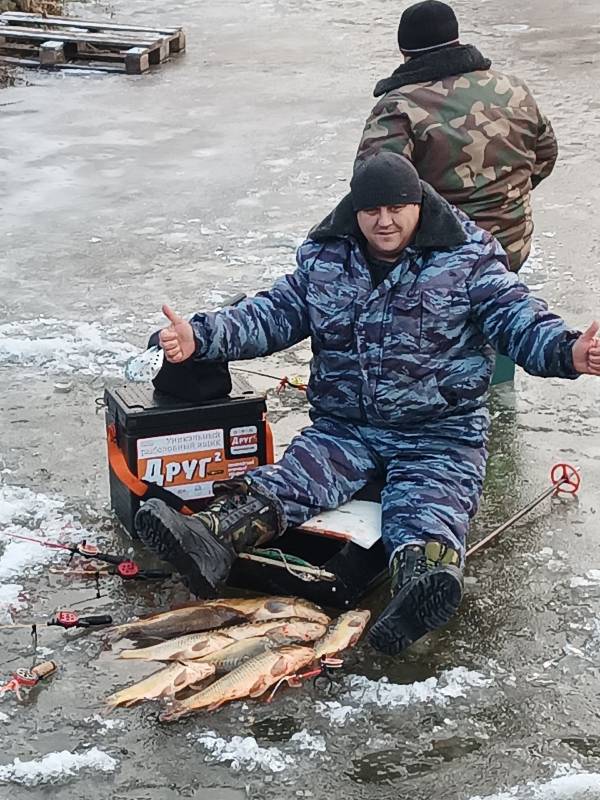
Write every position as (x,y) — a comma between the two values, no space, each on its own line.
(387,128)
(546,151)
(518,324)
(271,321)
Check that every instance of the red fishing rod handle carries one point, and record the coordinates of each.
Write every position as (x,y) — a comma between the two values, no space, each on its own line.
(565,478)
(65,619)
(25,677)
(128,570)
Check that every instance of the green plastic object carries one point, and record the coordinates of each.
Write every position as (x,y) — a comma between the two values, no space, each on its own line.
(504,372)
(276,555)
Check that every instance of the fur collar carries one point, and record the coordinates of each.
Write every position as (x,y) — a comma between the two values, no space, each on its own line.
(433,67)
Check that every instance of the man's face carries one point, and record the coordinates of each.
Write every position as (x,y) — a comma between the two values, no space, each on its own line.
(388,229)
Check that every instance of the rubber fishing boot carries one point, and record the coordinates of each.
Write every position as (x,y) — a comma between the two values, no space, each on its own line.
(203,547)
(427,587)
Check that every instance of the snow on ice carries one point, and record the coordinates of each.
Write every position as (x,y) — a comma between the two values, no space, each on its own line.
(55,767)
(570,786)
(59,346)
(244,752)
(362,691)
(28,513)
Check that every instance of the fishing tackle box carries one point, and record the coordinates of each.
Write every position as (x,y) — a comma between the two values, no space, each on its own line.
(182,446)
(157,438)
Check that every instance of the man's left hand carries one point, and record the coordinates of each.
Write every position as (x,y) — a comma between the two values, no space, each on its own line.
(586,351)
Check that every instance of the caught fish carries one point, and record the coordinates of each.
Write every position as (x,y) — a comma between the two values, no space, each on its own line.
(164,683)
(197,645)
(233,655)
(206,615)
(251,679)
(289,608)
(343,633)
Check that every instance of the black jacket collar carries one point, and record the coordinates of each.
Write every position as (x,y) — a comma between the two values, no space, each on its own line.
(433,67)
(439,227)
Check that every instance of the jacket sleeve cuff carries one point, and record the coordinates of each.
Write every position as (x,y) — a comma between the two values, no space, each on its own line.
(565,355)
(200,336)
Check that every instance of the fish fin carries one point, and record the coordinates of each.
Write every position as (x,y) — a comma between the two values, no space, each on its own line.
(130,654)
(197,647)
(279,668)
(260,687)
(214,706)
(112,702)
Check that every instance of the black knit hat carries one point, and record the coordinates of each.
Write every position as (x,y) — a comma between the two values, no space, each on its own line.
(427,25)
(385,179)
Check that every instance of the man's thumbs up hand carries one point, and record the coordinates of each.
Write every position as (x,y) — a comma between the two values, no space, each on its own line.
(586,351)
(177,340)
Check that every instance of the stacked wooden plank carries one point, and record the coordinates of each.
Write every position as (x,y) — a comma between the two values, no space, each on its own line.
(65,43)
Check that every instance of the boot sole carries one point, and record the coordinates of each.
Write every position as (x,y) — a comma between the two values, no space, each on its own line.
(154,532)
(420,608)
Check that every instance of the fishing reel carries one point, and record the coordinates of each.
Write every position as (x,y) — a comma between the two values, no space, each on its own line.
(328,680)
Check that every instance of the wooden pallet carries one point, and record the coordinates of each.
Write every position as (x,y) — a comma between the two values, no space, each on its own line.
(64,43)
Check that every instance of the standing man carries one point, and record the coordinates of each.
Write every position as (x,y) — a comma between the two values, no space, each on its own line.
(473,133)
(404,300)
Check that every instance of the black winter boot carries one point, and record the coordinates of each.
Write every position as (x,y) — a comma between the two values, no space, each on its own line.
(203,547)
(427,588)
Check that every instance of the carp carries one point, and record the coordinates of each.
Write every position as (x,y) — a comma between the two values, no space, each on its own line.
(209,614)
(235,654)
(163,683)
(343,633)
(197,645)
(251,679)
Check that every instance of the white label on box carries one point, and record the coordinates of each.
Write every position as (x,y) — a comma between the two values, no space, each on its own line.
(181,443)
(243,440)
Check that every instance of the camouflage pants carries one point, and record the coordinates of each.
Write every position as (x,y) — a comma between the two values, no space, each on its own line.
(432,484)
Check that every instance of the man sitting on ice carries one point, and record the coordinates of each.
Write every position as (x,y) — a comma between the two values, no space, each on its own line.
(404,300)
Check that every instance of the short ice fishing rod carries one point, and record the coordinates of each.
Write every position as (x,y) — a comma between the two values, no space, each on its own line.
(564,478)
(123,566)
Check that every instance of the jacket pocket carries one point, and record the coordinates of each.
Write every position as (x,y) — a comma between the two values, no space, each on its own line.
(444,315)
(331,309)
(402,331)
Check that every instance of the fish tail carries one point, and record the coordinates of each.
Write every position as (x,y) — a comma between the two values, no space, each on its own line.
(139,654)
(117,699)
(173,712)
(109,637)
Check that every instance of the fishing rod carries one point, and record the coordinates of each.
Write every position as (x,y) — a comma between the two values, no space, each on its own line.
(124,567)
(283,382)
(565,479)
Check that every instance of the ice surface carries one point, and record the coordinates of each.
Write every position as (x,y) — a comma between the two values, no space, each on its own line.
(61,346)
(335,712)
(452,683)
(361,691)
(244,752)
(309,741)
(28,513)
(582,786)
(591,578)
(55,767)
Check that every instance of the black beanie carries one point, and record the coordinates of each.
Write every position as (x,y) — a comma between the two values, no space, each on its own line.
(427,25)
(385,179)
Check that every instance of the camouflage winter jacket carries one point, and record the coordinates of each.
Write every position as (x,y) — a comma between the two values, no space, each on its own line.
(418,348)
(474,134)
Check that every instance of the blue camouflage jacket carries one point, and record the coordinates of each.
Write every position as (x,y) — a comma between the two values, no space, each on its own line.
(419,348)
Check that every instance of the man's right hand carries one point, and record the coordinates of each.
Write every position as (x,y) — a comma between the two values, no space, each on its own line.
(178,339)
